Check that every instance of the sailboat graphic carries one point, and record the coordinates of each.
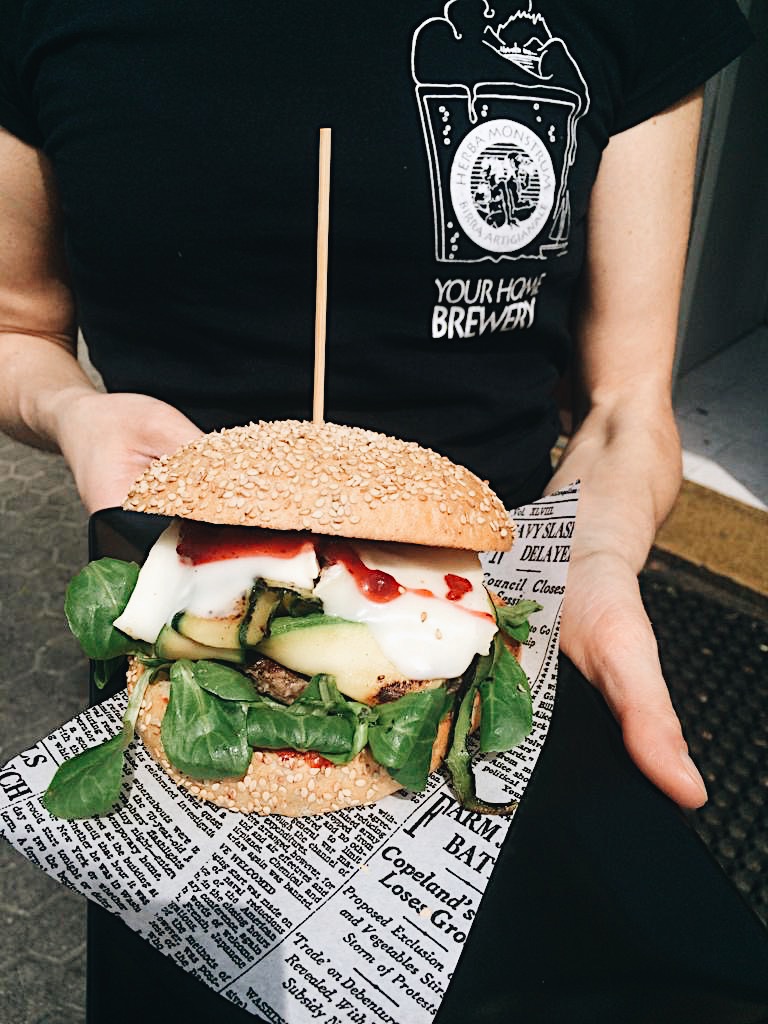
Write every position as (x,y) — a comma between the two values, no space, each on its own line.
(523,57)
(526,55)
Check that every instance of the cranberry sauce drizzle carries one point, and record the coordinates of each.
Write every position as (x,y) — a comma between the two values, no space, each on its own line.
(311,757)
(458,586)
(200,542)
(373,584)
(377,585)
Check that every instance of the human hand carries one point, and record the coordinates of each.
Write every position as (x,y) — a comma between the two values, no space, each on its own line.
(607,634)
(109,439)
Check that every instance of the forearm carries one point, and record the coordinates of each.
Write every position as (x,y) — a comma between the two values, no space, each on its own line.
(41,376)
(37,309)
(626,454)
(625,449)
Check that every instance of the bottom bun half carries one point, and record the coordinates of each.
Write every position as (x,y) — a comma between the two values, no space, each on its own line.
(276,783)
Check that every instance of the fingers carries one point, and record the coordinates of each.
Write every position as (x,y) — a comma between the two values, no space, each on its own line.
(626,670)
(616,650)
(654,741)
(164,430)
(111,439)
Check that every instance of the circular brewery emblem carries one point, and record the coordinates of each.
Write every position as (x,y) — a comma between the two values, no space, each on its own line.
(502,185)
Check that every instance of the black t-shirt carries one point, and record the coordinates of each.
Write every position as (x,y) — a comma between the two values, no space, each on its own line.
(467,136)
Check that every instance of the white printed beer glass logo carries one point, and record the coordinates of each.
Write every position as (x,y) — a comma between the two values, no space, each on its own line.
(480,68)
(502,185)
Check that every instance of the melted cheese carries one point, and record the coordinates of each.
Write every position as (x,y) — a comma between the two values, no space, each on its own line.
(422,632)
(425,637)
(167,584)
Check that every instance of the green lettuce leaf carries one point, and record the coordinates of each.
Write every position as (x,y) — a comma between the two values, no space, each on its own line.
(506,713)
(224,683)
(403,733)
(89,783)
(202,735)
(320,720)
(513,618)
(94,599)
(458,760)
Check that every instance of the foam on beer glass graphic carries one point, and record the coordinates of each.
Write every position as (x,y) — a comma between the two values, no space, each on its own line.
(499,102)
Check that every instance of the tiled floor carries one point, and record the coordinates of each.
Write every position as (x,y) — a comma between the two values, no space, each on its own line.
(722,412)
(44,542)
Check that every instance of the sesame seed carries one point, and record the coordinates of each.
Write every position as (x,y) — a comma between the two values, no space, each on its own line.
(226,476)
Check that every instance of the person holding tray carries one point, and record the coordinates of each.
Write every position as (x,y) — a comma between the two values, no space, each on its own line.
(511,195)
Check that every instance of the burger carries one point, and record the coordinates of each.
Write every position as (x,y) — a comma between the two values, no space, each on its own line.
(311,631)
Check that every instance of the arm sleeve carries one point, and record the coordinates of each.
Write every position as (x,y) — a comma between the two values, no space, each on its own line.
(16,108)
(681,43)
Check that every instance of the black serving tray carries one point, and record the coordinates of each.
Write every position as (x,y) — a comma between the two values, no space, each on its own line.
(604,907)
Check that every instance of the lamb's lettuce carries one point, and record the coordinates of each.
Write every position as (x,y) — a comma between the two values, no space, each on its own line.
(223,682)
(403,732)
(96,596)
(506,714)
(313,722)
(203,735)
(513,618)
(216,717)
(89,783)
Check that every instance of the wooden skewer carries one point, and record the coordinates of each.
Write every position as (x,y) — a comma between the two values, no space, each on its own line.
(321,289)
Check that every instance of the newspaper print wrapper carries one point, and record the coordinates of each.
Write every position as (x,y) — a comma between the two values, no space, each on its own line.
(355,915)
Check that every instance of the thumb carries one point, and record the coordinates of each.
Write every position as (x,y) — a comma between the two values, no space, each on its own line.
(620,658)
(654,741)
(164,430)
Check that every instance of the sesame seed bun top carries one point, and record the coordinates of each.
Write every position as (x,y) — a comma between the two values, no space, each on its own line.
(330,479)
